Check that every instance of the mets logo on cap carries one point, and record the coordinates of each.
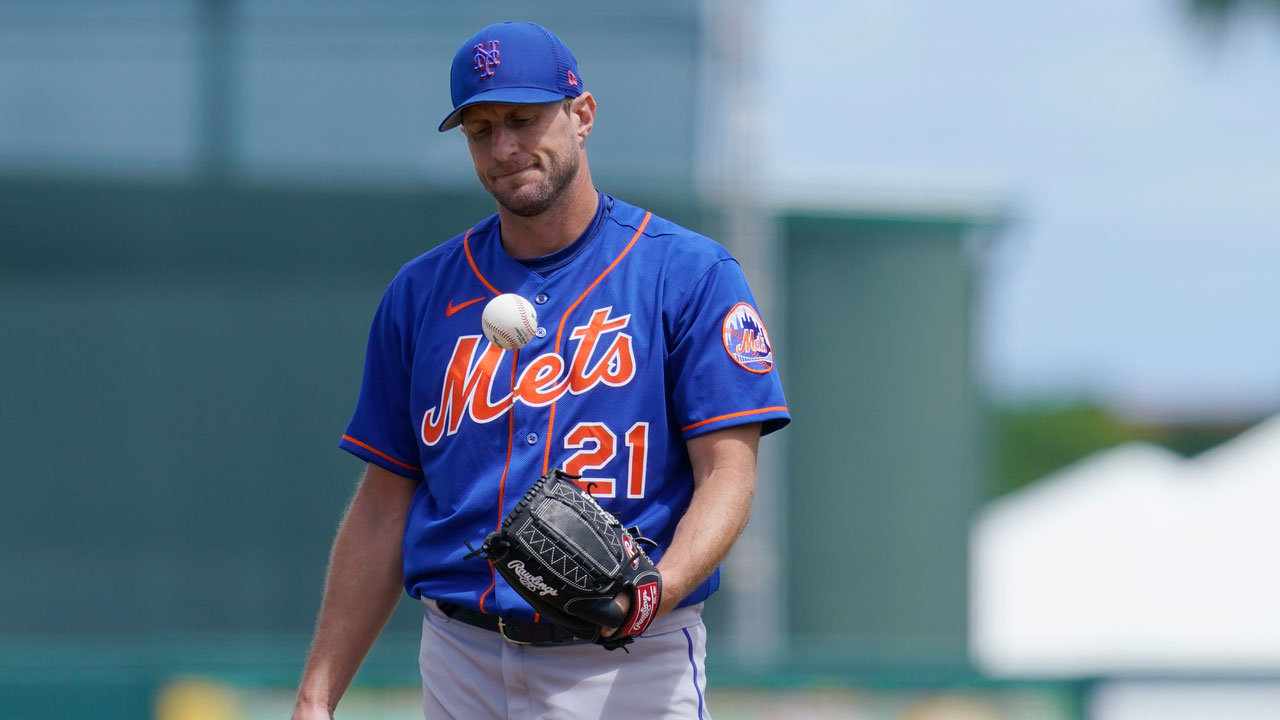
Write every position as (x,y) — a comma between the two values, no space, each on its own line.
(487,58)
(746,340)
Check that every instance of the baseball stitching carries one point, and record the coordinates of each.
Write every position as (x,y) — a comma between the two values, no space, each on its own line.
(524,316)
(503,334)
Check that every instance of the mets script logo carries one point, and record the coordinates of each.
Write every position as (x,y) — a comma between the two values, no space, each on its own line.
(487,59)
(469,382)
(746,340)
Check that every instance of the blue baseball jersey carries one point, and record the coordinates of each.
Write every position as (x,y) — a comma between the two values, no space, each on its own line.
(647,336)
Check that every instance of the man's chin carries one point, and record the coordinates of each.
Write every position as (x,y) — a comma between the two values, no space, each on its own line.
(531,209)
(524,204)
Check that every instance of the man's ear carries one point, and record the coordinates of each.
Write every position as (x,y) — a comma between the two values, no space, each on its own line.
(583,111)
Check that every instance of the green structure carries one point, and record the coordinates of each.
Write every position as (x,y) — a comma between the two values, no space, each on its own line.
(884,453)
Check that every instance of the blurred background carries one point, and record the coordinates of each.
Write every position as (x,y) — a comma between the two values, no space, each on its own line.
(1019,262)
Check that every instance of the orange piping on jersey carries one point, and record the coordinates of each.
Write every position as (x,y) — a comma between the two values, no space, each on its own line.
(502,486)
(546,451)
(467,248)
(492,583)
(551,421)
(744,413)
(380,454)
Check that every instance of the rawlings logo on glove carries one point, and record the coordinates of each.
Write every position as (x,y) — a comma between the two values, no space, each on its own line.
(531,581)
(568,558)
(647,604)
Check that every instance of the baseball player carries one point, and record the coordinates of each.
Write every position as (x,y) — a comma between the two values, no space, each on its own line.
(651,375)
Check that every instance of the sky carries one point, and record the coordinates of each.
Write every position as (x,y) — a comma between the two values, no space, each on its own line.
(1136,159)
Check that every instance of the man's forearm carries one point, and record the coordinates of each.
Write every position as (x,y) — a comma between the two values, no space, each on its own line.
(704,536)
(724,485)
(362,586)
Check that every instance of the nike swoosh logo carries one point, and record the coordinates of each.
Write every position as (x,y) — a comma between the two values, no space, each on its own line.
(450,309)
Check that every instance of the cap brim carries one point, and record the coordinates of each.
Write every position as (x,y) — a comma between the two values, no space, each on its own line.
(513,95)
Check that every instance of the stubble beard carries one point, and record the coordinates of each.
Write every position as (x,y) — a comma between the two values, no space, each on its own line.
(519,202)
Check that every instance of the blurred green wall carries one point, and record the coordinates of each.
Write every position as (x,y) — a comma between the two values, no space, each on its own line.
(177,363)
(884,453)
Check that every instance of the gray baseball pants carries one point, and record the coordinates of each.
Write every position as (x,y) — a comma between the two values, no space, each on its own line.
(469,673)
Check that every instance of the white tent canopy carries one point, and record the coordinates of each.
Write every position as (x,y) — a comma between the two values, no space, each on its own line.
(1134,560)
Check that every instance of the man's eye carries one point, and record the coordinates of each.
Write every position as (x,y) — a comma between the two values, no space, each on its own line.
(479,132)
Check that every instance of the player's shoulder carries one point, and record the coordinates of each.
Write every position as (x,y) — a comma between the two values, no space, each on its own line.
(676,247)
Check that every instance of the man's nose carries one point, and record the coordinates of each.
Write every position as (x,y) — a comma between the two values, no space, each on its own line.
(505,143)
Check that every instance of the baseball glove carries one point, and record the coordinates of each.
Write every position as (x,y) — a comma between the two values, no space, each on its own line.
(568,558)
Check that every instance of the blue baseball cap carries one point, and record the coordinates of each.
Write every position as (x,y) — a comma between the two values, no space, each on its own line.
(519,63)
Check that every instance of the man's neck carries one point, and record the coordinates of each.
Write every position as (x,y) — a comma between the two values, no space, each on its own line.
(530,237)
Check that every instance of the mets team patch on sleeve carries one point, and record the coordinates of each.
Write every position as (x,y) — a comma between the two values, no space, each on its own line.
(746,340)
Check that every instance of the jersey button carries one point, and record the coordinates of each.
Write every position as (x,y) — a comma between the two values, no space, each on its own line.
(541,332)
(531,438)
(541,298)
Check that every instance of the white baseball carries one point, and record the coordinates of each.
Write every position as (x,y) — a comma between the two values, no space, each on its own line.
(509,321)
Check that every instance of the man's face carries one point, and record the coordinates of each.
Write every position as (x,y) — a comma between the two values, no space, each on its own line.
(524,155)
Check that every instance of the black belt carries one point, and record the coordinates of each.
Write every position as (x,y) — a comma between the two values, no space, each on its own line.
(520,632)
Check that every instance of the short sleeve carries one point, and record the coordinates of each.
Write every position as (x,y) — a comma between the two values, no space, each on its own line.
(721,358)
(381,429)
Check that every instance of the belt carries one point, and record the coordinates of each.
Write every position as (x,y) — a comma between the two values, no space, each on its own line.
(520,632)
